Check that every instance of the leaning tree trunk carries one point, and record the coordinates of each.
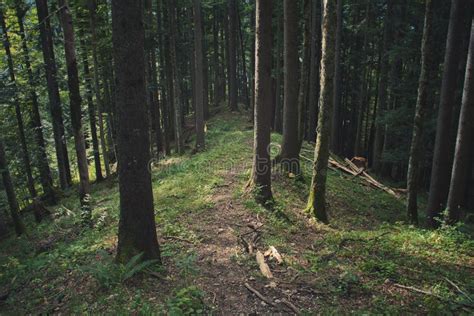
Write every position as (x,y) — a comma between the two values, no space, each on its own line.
(75,108)
(442,159)
(261,172)
(137,230)
(416,149)
(178,122)
(289,156)
(461,166)
(46,178)
(10,191)
(317,194)
(53,92)
(232,55)
(19,115)
(199,75)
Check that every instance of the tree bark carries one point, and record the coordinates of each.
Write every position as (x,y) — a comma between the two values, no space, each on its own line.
(46,178)
(460,174)
(289,156)
(199,75)
(315,63)
(19,116)
(416,149)
(261,172)
(442,159)
(53,92)
(137,230)
(10,191)
(305,69)
(278,122)
(317,195)
(75,108)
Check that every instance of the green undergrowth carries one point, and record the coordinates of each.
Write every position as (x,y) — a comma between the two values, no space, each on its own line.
(355,261)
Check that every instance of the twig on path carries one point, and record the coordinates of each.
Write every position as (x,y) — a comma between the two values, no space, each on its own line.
(291,306)
(259,295)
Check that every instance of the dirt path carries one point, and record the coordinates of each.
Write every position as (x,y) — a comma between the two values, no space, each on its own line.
(226,265)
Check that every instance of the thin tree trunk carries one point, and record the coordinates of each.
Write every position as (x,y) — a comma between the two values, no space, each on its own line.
(75,108)
(252,63)
(278,122)
(92,113)
(19,116)
(382,90)
(416,149)
(46,178)
(317,195)
(137,230)
(442,159)
(232,55)
(244,63)
(336,145)
(261,172)
(315,62)
(53,92)
(199,75)
(175,79)
(460,174)
(305,70)
(100,106)
(10,191)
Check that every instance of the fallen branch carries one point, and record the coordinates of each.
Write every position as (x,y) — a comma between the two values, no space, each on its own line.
(429,293)
(259,295)
(458,288)
(272,252)
(264,268)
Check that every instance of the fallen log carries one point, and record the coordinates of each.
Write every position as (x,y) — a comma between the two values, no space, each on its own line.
(264,268)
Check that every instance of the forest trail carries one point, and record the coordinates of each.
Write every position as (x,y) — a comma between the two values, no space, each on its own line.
(202,210)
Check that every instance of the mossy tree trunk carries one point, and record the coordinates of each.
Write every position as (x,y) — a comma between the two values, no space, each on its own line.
(317,195)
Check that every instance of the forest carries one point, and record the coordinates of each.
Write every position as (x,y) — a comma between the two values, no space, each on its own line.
(237,157)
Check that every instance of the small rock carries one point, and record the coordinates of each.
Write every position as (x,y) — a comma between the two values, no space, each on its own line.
(263,303)
(277,301)
(252,278)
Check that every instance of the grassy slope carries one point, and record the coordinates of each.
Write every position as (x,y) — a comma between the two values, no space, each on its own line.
(351,264)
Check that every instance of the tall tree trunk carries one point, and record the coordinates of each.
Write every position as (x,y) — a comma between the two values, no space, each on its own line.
(166,97)
(317,195)
(336,145)
(461,166)
(290,148)
(244,64)
(442,159)
(278,122)
(92,113)
(216,61)
(19,115)
(75,108)
(305,70)
(252,62)
(199,75)
(315,63)
(382,90)
(416,149)
(137,230)
(232,55)
(53,92)
(10,191)
(46,178)
(261,172)
(178,124)
(100,105)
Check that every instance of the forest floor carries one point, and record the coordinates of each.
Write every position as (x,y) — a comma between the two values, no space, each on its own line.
(366,261)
